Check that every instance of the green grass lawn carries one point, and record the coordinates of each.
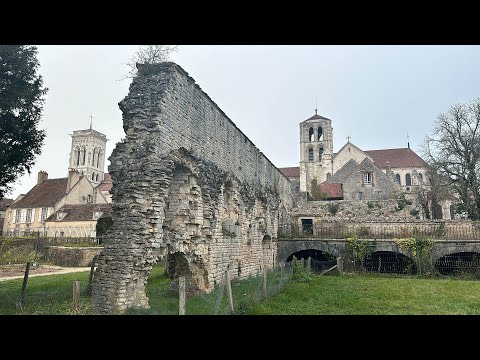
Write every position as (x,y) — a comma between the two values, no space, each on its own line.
(375,295)
(348,294)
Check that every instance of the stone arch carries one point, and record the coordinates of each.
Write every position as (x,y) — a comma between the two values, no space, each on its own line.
(287,248)
(389,262)
(310,134)
(458,262)
(320,133)
(315,254)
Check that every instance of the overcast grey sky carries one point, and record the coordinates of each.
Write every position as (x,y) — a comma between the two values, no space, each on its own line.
(375,94)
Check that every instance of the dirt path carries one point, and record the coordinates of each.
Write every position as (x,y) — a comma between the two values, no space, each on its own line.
(53,270)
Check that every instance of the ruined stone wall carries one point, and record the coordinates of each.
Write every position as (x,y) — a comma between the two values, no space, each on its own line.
(187,183)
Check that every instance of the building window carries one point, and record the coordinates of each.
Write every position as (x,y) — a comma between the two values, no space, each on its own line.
(307,226)
(367,178)
(98,159)
(320,154)
(78,155)
(408,180)
(310,134)
(96,177)
(310,154)
(93,176)
(18,216)
(62,234)
(358,195)
(89,198)
(320,133)
(84,156)
(44,214)
(420,176)
(398,179)
(30,215)
(96,214)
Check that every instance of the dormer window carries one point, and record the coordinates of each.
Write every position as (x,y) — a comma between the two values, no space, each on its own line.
(367,178)
(60,215)
(97,214)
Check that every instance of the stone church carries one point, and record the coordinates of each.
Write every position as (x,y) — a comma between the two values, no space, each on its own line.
(353,173)
(68,206)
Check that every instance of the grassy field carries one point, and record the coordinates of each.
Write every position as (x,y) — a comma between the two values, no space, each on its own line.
(375,295)
(348,294)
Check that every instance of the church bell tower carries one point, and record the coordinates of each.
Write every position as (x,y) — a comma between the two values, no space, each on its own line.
(316,150)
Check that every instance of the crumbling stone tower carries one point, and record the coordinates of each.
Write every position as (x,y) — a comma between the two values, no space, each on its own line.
(187,183)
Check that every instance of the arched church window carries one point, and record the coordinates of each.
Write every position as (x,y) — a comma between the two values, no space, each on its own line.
(310,154)
(408,180)
(96,177)
(89,158)
(84,156)
(78,155)
(320,134)
(98,159)
(93,176)
(420,176)
(398,179)
(320,154)
(310,134)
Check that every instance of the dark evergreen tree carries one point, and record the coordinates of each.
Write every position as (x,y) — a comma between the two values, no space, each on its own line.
(21,104)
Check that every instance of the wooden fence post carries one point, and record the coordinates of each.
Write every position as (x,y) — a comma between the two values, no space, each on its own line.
(181,296)
(76,297)
(90,278)
(282,265)
(24,285)
(264,282)
(229,291)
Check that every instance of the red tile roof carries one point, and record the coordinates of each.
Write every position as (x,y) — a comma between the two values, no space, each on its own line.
(45,194)
(398,158)
(5,203)
(81,212)
(106,184)
(290,172)
(333,191)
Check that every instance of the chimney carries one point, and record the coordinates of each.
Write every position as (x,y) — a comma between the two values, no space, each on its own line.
(42,175)
(73,178)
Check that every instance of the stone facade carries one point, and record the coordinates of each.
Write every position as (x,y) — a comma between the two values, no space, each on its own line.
(187,183)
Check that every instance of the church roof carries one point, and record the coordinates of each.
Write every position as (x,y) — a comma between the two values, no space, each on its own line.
(290,172)
(398,158)
(344,172)
(45,194)
(316,117)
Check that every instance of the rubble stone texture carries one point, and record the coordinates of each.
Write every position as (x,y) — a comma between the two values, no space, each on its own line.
(189,185)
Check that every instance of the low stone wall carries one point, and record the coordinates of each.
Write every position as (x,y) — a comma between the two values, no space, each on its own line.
(359,211)
(72,256)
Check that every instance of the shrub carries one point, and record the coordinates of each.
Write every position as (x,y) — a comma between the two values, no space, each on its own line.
(333,208)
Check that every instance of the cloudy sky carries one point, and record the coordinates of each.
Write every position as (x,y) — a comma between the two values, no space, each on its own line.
(374,94)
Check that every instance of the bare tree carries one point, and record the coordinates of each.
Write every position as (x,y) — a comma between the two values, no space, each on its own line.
(149,54)
(453,150)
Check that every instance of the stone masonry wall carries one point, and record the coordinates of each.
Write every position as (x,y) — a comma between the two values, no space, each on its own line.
(188,184)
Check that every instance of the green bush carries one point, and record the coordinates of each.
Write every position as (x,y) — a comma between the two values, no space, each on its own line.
(333,208)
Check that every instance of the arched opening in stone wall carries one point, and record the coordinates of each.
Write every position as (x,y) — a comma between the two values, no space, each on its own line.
(182,230)
(459,263)
(389,262)
(437,212)
(408,180)
(397,177)
(320,134)
(319,260)
(310,134)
